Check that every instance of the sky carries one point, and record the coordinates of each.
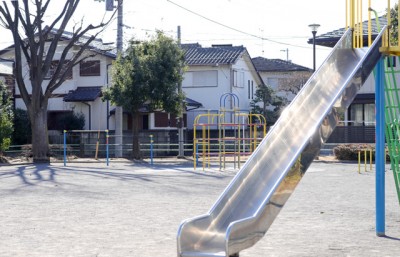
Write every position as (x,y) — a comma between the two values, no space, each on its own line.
(267,28)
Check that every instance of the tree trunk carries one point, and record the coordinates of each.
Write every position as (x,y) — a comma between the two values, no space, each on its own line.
(135,136)
(40,139)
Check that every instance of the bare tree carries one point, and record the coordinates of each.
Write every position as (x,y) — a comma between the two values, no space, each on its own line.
(294,82)
(36,44)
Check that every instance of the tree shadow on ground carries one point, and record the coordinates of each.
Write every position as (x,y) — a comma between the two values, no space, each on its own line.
(32,175)
(37,174)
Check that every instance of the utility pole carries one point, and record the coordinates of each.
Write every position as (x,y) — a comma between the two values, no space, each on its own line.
(118,110)
(287,53)
(181,152)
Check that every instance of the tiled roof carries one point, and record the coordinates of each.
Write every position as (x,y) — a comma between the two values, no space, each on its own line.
(215,55)
(83,94)
(96,45)
(192,104)
(329,39)
(271,65)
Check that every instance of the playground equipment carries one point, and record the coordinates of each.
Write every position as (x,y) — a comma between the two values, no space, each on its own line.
(366,152)
(392,115)
(232,125)
(246,209)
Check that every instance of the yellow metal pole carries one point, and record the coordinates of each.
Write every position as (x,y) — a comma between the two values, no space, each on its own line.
(361,25)
(398,27)
(264,130)
(359,161)
(369,24)
(352,14)
(355,23)
(370,159)
(251,132)
(388,14)
(352,21)
(97,145)
(255,137)
(208,145)
(220,136)
(208,139)
(239,146)
(365,160)
(347,14)
(224,143)
(194,147)
(204,147)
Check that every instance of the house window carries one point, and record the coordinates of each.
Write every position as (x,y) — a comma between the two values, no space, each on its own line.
(201,79)
(238,78)
(161,120)
(249,96)
(53,67)
(362,114)
(89,68)
(164,120)
(252,89)
(145,122)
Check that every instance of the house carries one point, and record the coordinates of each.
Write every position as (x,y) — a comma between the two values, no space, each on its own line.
(358,124)
(6,74)
(216,71)
(284,77)
(212,72)
(81,92)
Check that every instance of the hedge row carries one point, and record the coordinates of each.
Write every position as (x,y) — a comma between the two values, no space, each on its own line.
(349,152)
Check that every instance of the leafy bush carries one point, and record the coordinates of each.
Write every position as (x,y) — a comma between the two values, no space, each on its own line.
(6,118)
(5,144)
(349,152)
(72,121)
(22,128)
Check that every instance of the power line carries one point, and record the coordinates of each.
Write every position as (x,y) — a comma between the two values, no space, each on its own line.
(234,29)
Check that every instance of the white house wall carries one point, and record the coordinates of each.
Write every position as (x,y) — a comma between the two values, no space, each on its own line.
(210,97)
(98,108)
(369,85)
(77,80)
(242,92)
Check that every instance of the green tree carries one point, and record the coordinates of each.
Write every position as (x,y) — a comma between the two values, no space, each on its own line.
(147,75)
(265,99)
(6,118)
(394,25)
(37,45)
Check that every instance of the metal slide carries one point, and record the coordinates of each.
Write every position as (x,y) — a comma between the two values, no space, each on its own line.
(246,209)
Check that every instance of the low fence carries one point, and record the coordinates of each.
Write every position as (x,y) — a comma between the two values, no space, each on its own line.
(352,134)
(89,144)
(165,142)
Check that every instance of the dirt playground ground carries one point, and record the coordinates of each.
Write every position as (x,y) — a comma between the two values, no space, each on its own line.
(134,209)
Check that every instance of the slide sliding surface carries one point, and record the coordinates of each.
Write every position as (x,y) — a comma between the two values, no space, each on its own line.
(246,209)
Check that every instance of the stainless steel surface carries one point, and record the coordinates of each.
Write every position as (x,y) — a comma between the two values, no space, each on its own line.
(248,206)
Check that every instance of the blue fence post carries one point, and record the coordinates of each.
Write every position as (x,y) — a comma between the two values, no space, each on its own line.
(380,149)
(65,148)
(151,149)
(107,155)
